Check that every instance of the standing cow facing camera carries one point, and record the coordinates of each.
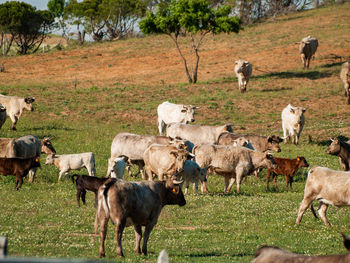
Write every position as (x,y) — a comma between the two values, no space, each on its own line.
(169,112)
(243,70)
(15,107)
(307,48)
(293,121)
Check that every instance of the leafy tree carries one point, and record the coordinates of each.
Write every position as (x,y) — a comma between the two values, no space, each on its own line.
(57,9)
(27,26)
(74,14)
(190,18)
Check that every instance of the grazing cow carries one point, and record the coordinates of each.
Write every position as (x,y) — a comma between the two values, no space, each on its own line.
(292,123)
(169,112)
(193,173)
(197,134)
(342,150)
(344,76)
(2,115)
(15,106)
(307,48)
(164,160)
(258,142)
(134,203)
(232,162)
(87,183)
(18,167)
(67,162)
(286,167)
(243,70)
(119,167)
(27,146)
(133,146)
(329,187)
(269,254)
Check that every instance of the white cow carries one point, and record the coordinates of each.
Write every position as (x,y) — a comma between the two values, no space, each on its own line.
(169,112)
(193,173)
(15,106)
(67,162)
(292,123)
(243,70)
(119,167)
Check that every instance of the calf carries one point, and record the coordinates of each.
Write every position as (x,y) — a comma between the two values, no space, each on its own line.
(134,203)
(286,167)
(18,167)
(192,173)
(329,187)
(307,48)
(15,107)
(269,254)
(342,150)
(67,162)
(87,183)
(344,76)
(293,121)
(243,70)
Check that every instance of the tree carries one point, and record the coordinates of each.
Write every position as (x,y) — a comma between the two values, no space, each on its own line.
(57,9)
(74,14)
(190,18)
(27,26)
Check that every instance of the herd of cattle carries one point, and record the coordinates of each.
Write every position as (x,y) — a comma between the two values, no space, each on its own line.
(183,153)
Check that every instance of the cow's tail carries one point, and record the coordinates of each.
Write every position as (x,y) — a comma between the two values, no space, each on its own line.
(92,165)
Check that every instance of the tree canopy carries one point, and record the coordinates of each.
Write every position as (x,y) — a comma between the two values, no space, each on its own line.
(190,18)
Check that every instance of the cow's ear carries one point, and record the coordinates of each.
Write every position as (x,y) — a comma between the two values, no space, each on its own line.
(303,110)
(269,139)
(292,110)
(183,110)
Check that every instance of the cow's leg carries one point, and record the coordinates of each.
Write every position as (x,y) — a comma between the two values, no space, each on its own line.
(78,196)
(287,180)
(119,228)
(308,62)
(160,126)
(204,187)
(195,187)
(227,181)
(103,232)
(14,120)
(161,177)
(290,181)
(138,236)
(32,174)
(322,212)
(307,201)
(146,234)
(187,185)
(96,199)
(83,194)
(231,183)
(303,60)
(267,178)
(60,174)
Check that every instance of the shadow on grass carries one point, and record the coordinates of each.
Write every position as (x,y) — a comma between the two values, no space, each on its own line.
(287,75)
(330,65)
(51,128)
(328,142)
(276,89)
(216,254)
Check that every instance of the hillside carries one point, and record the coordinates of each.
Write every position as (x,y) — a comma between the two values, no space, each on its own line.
(85,95)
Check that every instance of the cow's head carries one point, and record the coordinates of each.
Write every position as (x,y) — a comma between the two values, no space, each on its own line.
(50,159)
(273,142)
(302,162)
(334,148)
(187,112)
(202,172)
(180,158)
(174,195)
(35,162)
(46,146)
(242,142)
(28,103)
(297,113)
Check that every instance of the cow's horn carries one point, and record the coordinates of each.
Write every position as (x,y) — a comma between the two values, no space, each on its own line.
(177,182)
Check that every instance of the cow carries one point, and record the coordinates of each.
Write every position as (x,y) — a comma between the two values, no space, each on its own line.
(25,147)
(293,121)
(18,167)
(342,150)
(134,203)
(307,48)
(2,115)
(258,142)
(197,134)
(169,112)
(344,76)
(270,254)
(232,162)
(243,70)
(329,187)
(14,107)
(87,183)
(286,167)
(193,173)
(133,146)
(67,162)
(119,166)
(164,160)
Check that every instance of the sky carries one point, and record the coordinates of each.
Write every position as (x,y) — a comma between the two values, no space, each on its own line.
(39,4)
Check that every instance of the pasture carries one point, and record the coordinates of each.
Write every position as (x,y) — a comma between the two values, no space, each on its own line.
(86,95)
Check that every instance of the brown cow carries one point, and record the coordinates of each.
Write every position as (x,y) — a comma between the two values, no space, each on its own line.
(18,167)
(134,203)
(286,167)
(269,254)
(342,150)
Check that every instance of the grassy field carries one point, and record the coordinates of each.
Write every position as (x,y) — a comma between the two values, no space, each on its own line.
(86,95)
